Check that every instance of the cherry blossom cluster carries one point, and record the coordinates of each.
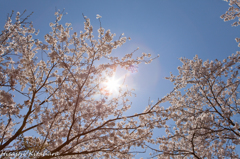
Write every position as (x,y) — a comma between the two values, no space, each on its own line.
(59,83)
(233,13)
(204,108)
(202,120)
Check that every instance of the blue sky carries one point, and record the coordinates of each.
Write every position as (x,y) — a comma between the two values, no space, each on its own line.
(170,28)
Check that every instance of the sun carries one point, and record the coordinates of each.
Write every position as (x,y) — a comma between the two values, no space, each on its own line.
(111,85)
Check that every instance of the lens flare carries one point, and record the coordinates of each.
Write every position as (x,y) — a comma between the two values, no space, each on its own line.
(111,86)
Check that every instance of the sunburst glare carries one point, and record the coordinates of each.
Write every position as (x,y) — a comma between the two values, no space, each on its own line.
(111,85)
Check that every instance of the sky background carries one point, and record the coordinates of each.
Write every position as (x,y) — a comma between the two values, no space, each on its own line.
(170,28)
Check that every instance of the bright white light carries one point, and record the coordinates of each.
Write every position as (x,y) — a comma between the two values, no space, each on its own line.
(112,84)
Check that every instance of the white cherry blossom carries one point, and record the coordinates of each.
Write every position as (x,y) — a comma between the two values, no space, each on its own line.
(204,107)
(59,82)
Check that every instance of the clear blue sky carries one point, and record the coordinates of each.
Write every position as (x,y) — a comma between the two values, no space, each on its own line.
(170,28)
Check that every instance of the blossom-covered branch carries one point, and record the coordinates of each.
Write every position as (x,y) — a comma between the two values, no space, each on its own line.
(59,82)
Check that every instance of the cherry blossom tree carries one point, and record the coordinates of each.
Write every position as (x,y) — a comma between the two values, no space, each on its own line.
(202,120)
(54,90)
(205,111)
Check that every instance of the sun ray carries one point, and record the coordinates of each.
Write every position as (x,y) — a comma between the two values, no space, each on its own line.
(111,85)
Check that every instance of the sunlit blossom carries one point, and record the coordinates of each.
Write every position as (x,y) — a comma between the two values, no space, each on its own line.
(98,16)
(63,97)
